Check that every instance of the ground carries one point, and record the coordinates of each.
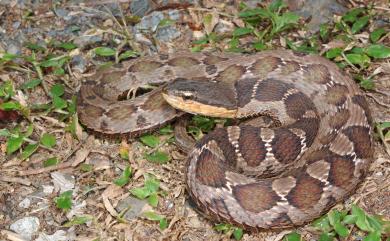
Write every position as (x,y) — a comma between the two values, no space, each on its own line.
(48,48)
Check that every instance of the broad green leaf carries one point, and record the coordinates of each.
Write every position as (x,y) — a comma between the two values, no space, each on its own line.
(28,151)
(7,89)
(153,199)
(140,192)
(361,221)
(124,178)
(152,216)
(259,46)
(324,31)
(359,24)
(322,223)
(349,219)
(8,56)
(34,46)
(51,162)
(10,105)
(158,157)
(254,12)
(276,5)
(57,90)
(360,59)
(150,140)
(152,184)
(378,51)
(166,130)
(59,103)
(30,84)
(351,16)
(13,144)
(163,223)
(341,230)
(54,62)
(223,227)
(238,233)
(67,46)
(292,237)
(373,236)
(333,53)
(242,31)
(367,84)
(127,54)
(77,220)
(105,51)
(326,237)
(377,34)
(48,140)
(64,201)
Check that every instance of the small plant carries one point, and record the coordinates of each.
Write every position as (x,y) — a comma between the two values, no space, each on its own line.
(64,200)
(229,230)
(150,190)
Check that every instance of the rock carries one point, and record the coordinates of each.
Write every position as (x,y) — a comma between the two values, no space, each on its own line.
(167,33)
(85,40)
(62,181)
(139,7)
(26,227)
(79,63)
(150,22)
(135,206)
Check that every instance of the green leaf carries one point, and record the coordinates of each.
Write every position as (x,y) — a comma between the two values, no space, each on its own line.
(334,217)
(127,54)
(223,227)
(322,223)
(259,46)
(153,199)
(57,61)
(276,5)
(30,84)
(359,24)
(238,233)
(13,144)
(163,223)
(125,177)
(349,219)
(150,140)
(264,13)
(378,51)
(77,220)
(292,237)
(367,84)
(377,34)
(105,51)
(158,157)
(351,16)
(152,184)
(152,216)
(242,31)
(373,236)
(5,132)
(35,47)
(48,140)
(324,31)
(59,103)
(52,161)
(8,56)
(341,230)
(166,130)
(325,237)
(360,59)
(57,90)
(140,192)
(10,105)
(7,89)
(64,201)
(333,53)
(67,46)
(361,221)
(28,151)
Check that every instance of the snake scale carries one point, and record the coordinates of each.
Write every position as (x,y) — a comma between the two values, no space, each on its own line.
(252,176)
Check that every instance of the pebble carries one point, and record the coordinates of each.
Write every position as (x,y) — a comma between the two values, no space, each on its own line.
(26,227)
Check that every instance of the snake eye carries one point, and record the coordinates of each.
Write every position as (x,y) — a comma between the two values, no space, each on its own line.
(187,95)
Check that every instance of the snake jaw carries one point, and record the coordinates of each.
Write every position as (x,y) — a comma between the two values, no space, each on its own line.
(195,107)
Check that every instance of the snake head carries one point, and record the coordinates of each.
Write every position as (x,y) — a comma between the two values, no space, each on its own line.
(201,97)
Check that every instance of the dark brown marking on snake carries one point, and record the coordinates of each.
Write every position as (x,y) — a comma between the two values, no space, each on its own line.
(340,173)
(283,138)
(213,59)
(335,95)
(141,121)
(310,126)
(211,69)
(244,87)
(318,155)
(306,192)
(210,169)
(91,97)
(230,74)
(360,137)
(144,66)
(362,102)
(183,62)
(299,54)
(339,119)
(271,90)
(220,206)
(264,66)
(317,73)
(121,112)
(282,221)
(255,197)
(297,104)
(251,146)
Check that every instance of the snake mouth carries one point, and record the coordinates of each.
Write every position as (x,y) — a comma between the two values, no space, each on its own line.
(195,107)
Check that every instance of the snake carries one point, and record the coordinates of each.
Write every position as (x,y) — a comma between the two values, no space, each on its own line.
(257,177)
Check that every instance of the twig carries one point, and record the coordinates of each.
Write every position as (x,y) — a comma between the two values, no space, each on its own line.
(377,101)
(45,169)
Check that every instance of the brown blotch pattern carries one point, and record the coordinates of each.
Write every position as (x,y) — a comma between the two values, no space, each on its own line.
(317,73)
(183,62)
(310,126)
(251,146)
(282,221)
(111,76)
(220,206)
(211,69)
(230,74)
(289,67)
(213,59)
(339,119)
(341,171)
(141,121)
(255,197)
(286,146)
(121,112)
(360,137)
(264,66)
(271,90)
(244,89)
(306,193)
(90,110)
(297,104)
(210,170)
(154,101)
(144,66)
(318,155)
(362,102)
(335,95)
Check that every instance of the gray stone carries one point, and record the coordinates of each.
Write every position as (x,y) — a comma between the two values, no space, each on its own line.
(26,227)
(79,63)
(167,33)
(139,7)
(150,22)
(134,206)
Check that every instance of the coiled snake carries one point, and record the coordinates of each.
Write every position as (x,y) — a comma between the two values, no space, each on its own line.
(248,175)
